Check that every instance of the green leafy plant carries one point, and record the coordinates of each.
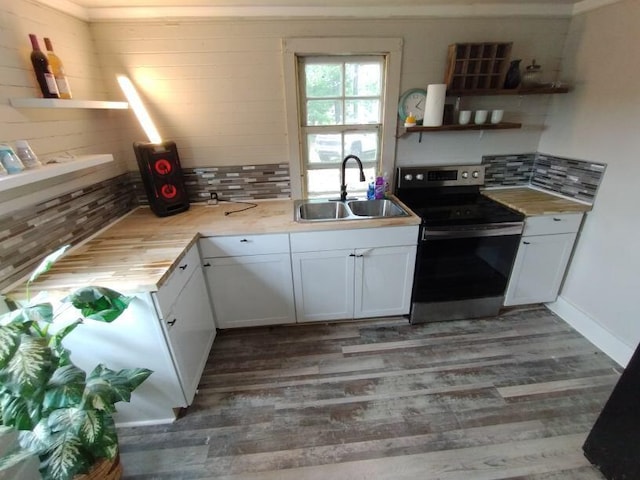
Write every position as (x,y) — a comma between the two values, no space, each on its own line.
(63,415)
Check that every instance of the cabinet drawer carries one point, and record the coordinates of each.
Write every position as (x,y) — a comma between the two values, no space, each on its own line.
(552,224)
(172,287)
(357,238)
(238,245)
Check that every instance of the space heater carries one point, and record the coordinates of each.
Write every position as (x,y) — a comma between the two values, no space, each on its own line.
(158,161)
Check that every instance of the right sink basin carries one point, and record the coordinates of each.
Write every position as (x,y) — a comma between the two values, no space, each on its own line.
(376,208)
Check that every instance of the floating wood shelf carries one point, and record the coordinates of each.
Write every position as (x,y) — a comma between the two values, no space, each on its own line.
(505,91)
(67,103)
(51,170)
(458,128)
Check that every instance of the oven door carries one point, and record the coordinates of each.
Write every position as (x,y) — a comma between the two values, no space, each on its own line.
(463,273)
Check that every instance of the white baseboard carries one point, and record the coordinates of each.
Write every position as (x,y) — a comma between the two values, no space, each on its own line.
(602,338)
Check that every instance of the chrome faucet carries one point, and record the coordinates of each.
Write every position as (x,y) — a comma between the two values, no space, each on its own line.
(343,185)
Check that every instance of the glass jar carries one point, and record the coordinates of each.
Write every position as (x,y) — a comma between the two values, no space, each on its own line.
(10,160)
(26,155)
(532,76)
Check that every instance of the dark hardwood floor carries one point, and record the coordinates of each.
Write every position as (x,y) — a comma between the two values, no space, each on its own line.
(511,397)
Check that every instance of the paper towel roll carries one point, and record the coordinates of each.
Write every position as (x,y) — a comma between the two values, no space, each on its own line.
(434,106)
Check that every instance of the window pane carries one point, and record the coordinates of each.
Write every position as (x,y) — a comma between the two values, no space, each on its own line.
(326,182)
(323,80)
(363,79)
(362,111)
(324,112)
(325,148)
(363,145)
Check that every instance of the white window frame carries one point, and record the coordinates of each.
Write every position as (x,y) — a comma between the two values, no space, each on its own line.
(390,48)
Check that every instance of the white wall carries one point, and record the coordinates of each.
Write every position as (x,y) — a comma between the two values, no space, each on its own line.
(49,131)
(599,121)
(215,86)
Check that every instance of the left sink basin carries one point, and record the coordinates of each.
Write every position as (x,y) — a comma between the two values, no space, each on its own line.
(312,211)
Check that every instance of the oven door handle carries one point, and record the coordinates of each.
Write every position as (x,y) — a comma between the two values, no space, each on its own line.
(472,231)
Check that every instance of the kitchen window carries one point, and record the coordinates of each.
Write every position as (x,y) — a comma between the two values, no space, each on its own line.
(341,98)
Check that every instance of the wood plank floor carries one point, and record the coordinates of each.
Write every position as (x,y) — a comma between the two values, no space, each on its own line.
(511,397)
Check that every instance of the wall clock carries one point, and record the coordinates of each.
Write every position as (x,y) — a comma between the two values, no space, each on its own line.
(412,101)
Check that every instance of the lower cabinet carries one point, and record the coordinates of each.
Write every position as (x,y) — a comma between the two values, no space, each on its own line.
(184,311)
(542,258)
(190,331)
(372,278)
(249,279)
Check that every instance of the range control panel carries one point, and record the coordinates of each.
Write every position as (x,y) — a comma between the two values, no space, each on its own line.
(440,176)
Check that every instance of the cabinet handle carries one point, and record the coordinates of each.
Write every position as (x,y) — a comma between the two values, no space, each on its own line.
(555,219)
(526,243)
(352,254)
(172,322)
(183,267)
(244,240)
(359,256)
(207,264)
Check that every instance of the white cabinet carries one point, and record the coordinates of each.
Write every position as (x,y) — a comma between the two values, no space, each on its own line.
(249,279)
(542,258)
(185,312)
(135,339)
(353,273)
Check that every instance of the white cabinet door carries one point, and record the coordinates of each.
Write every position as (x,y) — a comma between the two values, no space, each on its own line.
(383,281)
(324,283)
(251,290)
(190,330)
(539,268)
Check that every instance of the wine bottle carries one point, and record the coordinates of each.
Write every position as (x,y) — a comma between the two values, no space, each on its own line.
(42,70)
(58,70)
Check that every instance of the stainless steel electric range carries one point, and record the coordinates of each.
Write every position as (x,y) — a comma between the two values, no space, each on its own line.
(467,243)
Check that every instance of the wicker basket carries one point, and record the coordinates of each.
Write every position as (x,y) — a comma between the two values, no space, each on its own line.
(103,470)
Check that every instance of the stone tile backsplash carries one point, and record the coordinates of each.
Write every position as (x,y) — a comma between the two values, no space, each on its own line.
(29,234)
(576,179)
(248,182)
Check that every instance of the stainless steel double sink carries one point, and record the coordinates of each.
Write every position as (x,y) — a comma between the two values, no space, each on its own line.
(334,210)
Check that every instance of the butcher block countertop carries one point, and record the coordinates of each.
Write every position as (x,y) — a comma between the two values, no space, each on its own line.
(139,251)
(532,202)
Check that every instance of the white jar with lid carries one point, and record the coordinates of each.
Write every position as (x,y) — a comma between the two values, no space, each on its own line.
(26,155)
(10,160)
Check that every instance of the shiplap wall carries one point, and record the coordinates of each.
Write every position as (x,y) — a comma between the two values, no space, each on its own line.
(53,131)
(215,86)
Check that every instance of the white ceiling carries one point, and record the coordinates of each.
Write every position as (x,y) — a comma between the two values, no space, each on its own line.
(103,10)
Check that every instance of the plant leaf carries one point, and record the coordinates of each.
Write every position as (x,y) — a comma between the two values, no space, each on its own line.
(15,412)
(47,263)
(55,342)
(107,446)
(42,312)
(99,303)
(31,366)
(65,458)
(92,428)
(9,341)
(37,440)
(65,388)
(122,383)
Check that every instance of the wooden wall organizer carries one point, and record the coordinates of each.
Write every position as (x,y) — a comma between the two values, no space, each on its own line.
(473,66)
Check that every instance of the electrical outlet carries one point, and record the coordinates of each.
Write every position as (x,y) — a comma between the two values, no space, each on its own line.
(214,198)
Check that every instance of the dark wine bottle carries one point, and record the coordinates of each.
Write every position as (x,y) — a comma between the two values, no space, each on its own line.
(41,68)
